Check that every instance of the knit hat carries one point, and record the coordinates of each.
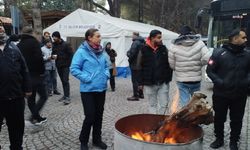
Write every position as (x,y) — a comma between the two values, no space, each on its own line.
(185,30)
(153,33)
(56,34)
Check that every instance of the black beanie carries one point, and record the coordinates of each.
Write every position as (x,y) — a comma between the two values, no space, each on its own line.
(185,30)
(56,34)
(153,33)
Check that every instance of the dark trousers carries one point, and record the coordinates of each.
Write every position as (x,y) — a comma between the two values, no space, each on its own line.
(38,86)
(50,79)
(93,105)
(134,77)
(236,113)
(13,112)
(64,76)
(112,79)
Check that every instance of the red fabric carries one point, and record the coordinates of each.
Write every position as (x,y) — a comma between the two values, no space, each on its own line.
(148,42)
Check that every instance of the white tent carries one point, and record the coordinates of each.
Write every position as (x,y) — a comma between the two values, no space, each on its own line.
(115,30)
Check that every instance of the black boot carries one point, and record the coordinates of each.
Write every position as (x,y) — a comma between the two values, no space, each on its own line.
(219,142)
(233,145)
(84,147)
(100,144)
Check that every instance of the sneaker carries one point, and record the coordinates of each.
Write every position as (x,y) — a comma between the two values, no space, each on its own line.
(233,145)
(100,145)
(217,143)
(62,99)
(84,147)
(133,98)
(57,93)
(67,101)
(41,120)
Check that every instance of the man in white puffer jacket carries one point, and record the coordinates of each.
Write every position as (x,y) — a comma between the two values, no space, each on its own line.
(187,55)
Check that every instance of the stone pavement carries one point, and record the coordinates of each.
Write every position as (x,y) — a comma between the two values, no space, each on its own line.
(62,130)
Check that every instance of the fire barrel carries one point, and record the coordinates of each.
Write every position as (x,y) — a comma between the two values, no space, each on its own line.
(127,126)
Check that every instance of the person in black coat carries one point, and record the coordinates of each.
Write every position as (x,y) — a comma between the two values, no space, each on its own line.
(155,73)
(15,84)
(138,43)
(229,70)
(64,54)
(112,54)
(31,50)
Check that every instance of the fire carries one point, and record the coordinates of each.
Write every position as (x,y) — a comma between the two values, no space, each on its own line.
(170,140)
(172,129)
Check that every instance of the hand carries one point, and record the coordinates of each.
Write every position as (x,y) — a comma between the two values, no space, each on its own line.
(28,94)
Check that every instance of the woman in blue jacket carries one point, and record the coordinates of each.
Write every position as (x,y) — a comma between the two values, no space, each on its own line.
(90,66)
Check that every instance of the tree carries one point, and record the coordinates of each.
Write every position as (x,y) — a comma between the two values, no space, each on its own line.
(114,7)
(36,16)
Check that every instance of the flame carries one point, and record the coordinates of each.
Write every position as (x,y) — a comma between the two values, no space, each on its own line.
(174,133)
(175,102)
(170,140)
(141,136)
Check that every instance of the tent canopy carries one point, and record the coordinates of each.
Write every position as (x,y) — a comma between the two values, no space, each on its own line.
(115,30)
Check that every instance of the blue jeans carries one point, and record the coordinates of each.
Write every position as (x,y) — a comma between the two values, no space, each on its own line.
(186,91)
(158,96)
(51,80)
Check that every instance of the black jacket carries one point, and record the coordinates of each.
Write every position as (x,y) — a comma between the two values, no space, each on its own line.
(154,66)
(112,54)
(229,69)
(14,74)
(132,54)
(31,50)
(64,54)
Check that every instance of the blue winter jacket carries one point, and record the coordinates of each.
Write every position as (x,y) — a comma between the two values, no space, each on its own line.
(91,69)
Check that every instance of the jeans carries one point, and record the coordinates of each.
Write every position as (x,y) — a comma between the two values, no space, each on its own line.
(112,79)
(158,96)
(64,76)
(50,79)
(39,87)
(186,91)
(93,105)
(13,112)
(236,114)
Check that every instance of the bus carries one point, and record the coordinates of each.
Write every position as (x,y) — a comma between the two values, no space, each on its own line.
(224,16)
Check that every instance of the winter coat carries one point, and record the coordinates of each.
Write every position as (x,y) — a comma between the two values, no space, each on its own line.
(50,64)
(14,74)
(90,68)
(154,66)
(133,52)
(31,50)
(187,55)
(228,68)
(64,54)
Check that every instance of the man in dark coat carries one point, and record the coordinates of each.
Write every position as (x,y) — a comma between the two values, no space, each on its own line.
(15,84)
(228,68)
(138,43)
(31,50)
(155,73)
(64,54)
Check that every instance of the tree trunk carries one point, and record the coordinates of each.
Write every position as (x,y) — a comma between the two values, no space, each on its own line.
(36,16)
(162,22)
(116,8)
(7,4)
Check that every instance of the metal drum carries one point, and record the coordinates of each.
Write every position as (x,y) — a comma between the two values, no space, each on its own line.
(146,122)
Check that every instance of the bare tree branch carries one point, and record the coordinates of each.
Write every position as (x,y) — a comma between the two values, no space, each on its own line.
(101,7)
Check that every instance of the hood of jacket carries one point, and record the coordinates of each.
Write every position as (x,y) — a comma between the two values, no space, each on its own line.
(186,40)
(140,39)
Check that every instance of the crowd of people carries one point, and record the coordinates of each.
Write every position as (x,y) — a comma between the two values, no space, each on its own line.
(30,67)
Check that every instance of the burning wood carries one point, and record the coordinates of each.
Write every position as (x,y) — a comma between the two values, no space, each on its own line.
(196,112)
